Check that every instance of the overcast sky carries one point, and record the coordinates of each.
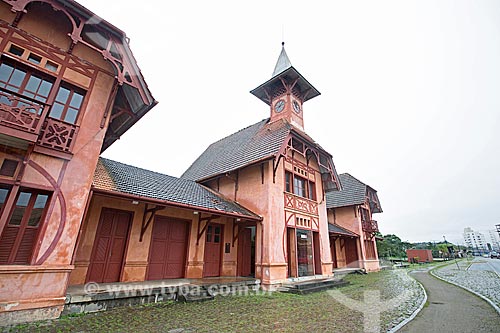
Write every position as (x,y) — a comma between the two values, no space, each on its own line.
(409,104)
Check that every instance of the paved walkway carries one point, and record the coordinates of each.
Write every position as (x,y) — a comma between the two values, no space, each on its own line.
(452,309)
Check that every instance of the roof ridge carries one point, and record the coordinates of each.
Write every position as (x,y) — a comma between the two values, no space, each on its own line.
(218,141)
(239,131)
(348,174)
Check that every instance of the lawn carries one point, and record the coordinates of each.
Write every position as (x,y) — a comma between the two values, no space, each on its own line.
(262,312)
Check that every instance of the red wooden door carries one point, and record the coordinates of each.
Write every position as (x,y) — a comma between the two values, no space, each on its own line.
(318,269)
(333,249)
(167,254)
(109,246)
(213,250)
(351,251)
(245,252)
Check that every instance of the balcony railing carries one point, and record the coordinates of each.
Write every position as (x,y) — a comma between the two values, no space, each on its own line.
(301,204)
(22,114)
(57,135)
(369,226)
(28,120)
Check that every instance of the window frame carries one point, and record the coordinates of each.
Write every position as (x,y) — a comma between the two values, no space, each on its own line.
(13,252)
(309,186)
(56,81)
(21,90)
(67,105)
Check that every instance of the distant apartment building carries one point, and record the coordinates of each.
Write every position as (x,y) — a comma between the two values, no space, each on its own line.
(493,238)
(475,239)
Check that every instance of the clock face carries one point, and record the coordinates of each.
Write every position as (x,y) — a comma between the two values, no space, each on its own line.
(279,106)
(296,106)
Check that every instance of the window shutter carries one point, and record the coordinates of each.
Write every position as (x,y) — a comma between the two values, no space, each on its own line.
(7,241)
(25,249)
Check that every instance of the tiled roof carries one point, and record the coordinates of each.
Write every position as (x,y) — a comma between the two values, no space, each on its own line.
(353,193)
(336,229)
(121,178)
(251,144)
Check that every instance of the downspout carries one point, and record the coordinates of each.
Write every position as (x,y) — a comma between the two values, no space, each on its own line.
(261,251)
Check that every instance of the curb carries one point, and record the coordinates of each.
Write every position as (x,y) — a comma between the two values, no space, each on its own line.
(493,268)
(497,309)
(414,314)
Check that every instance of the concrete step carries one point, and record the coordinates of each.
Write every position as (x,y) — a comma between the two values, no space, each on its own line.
(194,294)
(312,286)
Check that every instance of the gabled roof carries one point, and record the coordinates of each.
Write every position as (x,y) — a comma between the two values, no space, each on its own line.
(338,230)
(253,144)
(353,192)
(119,178)
(257,142)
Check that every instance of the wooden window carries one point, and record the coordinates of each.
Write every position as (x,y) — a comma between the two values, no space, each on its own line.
(301,186)
(34,59)
(19,235)
(209,234)
(311,193)
(4,193)
(25,82)
(8,168)
(365,215)
(16,50)
(51,66)
(217,234)
(67,104)
(288,181)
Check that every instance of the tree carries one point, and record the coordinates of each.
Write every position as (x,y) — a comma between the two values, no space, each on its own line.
(392,246)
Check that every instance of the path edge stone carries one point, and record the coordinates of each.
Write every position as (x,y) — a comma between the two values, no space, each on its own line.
(414,314)
(497,309)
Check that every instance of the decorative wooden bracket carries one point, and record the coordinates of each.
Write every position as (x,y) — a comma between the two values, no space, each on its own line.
(202,231)
(236,235)
(276,163)
(145,224)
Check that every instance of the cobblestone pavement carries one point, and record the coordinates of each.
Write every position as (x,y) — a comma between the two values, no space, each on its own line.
(484,282)
(404,283)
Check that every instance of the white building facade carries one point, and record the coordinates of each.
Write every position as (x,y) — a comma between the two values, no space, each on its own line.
(475,240)
(493,238)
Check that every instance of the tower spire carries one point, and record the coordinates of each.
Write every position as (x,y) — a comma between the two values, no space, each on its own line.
(285,92)
(283,62)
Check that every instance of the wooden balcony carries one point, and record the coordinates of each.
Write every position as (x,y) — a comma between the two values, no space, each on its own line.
(21,117)
(26,119)
(301,204)
(57,135)
(369,226)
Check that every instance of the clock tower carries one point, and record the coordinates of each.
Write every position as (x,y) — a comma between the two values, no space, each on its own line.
(286,92)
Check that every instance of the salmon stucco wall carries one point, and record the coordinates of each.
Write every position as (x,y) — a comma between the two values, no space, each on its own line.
(256,188)
(137,254)
(66,176)
(349,218)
